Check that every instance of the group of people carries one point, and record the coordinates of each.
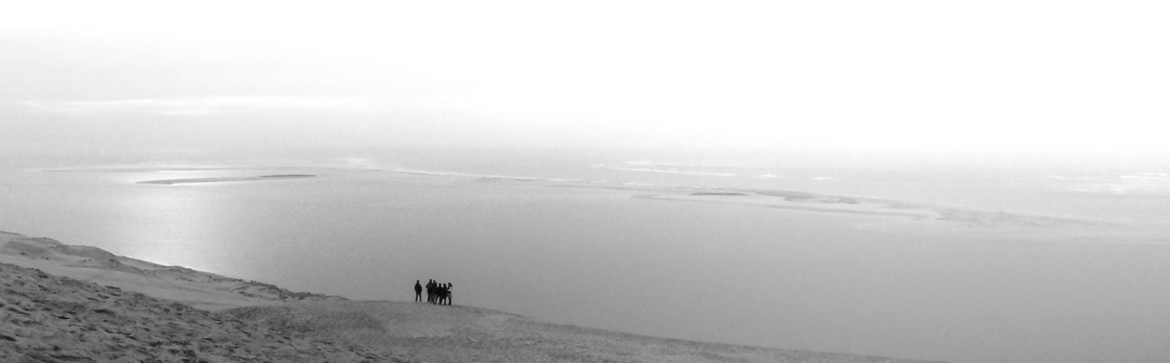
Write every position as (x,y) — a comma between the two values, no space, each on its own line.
(436,293)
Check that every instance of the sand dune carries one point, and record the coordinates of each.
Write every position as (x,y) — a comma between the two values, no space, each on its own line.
(196,288)
(149,311)
(45,318)
(792,200)
(227,179)
(845,205)
(467,334)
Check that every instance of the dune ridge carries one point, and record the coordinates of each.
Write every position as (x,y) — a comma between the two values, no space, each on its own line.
(45,318)
(227,179)
(200,289)
(77,303)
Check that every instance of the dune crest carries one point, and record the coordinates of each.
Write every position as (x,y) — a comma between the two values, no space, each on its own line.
(227,179)
(200,289)
(150,311)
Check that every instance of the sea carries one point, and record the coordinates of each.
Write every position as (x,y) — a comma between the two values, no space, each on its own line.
(570,236)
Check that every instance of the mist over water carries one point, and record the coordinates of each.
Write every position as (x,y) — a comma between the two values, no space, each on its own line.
(962,181)
(570,237)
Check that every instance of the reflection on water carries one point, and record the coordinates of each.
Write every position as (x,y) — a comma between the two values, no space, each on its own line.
(601,257)
(169,226)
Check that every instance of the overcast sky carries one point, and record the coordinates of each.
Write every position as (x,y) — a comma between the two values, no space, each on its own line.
(883,76)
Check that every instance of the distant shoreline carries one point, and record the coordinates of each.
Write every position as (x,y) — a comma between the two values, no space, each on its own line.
(227,179)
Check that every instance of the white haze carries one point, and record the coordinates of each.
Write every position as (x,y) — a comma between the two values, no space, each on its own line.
(541,155)
(1048,79)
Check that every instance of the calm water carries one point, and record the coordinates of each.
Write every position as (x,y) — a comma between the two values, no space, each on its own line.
(603,258)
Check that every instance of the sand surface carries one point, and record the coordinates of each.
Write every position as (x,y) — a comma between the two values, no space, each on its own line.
(196,288)
(91,305)
(46,318)
(227,179)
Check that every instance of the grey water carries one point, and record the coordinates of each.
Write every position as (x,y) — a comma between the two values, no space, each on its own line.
(570,245)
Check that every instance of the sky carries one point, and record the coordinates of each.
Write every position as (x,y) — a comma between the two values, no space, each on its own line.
(1059,78)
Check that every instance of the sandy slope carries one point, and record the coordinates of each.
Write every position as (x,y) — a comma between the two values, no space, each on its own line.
(196,288)
(465,334)
(45,318)
(240,320)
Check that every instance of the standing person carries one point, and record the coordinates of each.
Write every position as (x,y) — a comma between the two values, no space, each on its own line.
(450,294)
(431,291)
(417,291)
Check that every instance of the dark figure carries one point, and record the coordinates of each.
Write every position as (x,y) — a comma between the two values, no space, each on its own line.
(449,293)
(431,291)
(444,294)
(417,291)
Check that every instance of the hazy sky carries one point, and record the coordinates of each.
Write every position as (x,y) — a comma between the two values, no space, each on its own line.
(883,76)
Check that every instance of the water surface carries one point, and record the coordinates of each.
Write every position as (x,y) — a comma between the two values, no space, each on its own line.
(568,244)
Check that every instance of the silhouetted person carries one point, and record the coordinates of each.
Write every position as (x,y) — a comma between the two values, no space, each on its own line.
(417,291)
(444,294)
(431,291)
(449,293)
